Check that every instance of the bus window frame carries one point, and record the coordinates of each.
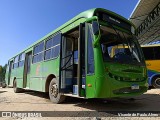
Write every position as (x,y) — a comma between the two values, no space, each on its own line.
(115,26)
(22,59)
(59,45)
(89,31)
(16,57)
(154,56)
(122,30)
(33,55)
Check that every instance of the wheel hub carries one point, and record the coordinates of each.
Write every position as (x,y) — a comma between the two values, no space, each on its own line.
(157,81)
(54,90)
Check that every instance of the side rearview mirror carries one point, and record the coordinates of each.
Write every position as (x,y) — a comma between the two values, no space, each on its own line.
(95,27)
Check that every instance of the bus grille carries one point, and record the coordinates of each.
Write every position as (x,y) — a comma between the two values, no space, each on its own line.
(127,79)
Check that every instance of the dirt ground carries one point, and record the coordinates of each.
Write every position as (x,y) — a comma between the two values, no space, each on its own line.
(37,101)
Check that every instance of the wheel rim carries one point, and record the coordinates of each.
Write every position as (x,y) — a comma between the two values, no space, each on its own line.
(157,82)
(54,90)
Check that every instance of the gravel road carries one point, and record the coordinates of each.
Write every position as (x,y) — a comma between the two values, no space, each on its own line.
(37,101)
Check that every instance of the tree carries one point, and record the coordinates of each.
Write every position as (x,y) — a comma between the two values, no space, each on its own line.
(2,72)
(1,69)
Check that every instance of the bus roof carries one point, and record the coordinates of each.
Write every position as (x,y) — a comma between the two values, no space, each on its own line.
(86,14)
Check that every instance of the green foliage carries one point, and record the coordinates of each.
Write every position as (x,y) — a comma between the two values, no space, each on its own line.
(1,69)
(2,72)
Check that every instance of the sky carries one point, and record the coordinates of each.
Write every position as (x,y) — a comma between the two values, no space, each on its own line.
(23,22)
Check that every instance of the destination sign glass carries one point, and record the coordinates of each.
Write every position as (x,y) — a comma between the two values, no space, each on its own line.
(113,20)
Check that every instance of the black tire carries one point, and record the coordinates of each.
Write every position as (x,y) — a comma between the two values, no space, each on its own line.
(156,82)
(54,96)
(4,86)
(16,90)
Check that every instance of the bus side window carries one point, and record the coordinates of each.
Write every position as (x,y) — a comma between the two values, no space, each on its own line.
(38,52)
(15,62)
(52,48)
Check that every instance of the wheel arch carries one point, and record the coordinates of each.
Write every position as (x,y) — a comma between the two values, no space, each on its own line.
(13,80)
(152,78)
(48,80)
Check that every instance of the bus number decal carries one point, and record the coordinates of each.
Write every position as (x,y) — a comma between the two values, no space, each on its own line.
(37,69)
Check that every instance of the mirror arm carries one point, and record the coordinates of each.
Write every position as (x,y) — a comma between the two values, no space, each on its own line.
(92,19)
(97,38)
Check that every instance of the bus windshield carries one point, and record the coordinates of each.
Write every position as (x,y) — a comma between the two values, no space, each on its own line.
(119,46)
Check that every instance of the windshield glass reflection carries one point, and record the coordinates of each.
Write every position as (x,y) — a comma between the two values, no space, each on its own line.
(119,46)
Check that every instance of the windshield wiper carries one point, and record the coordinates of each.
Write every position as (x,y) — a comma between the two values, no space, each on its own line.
(119,36)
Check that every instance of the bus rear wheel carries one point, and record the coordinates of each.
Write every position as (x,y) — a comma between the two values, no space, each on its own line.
(16,90)
(55,97)
(156,82)
(4,86)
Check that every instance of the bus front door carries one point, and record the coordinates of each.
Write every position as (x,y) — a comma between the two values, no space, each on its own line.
(67,68)
(27,69)
(72,66)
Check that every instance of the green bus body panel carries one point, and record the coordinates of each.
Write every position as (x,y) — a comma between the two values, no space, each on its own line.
(40,71)
(12,76)
(28,81)
(95,80)
(17,74)
(100,78)
(90,91)
(36,76)
(19,77)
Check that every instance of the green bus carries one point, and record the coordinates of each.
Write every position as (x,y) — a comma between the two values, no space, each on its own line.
(75,60)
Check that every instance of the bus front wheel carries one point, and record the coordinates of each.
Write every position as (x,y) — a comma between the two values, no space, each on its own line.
(55,97)
(156,82)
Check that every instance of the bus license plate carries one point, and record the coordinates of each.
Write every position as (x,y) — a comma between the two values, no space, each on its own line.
(133,87)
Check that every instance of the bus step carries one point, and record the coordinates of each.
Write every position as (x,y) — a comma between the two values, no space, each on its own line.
(71,95)
(75,89)
(27,88)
